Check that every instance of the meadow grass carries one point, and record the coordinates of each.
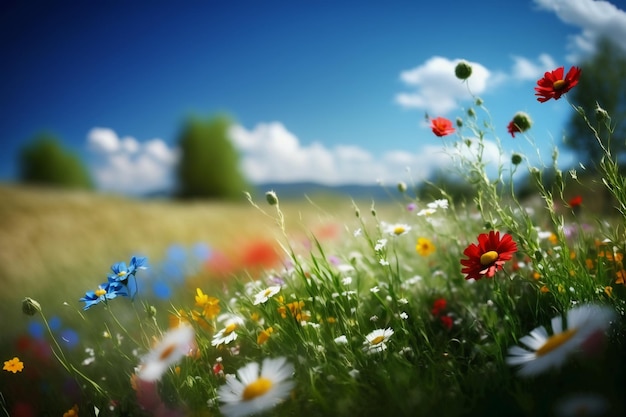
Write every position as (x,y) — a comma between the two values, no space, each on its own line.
(492,306)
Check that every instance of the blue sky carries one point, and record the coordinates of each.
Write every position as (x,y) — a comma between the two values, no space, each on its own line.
(326,91)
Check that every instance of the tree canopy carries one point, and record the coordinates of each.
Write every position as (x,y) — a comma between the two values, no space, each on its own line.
(44,161)
(209,164)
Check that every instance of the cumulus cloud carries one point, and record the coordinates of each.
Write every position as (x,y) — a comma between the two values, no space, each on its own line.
(127,166)
(595,18)
(271,153)
(435,88)
(526,69)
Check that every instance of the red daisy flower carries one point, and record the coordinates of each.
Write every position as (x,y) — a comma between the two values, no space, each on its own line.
(486,258)
(441,126)
(553,85)
(513,128)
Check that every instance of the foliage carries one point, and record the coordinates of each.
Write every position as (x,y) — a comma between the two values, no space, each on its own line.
(209,162)
(602,91)
(45,162)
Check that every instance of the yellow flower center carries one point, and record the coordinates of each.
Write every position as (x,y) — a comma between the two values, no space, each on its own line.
(377,340)
(558,84)
(230,328)
(399,230)
(555,341)
(488,257)
(167,352)
(267,292)
(100,292)
(256,389)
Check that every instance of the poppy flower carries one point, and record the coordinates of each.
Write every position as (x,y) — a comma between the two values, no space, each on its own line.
(441,126)
(575,201)
(486,258)
(553,85)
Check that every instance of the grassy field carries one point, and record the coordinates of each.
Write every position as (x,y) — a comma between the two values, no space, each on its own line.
(57,244)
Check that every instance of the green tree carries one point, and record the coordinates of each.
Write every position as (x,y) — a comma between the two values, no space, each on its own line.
(44,161)
(209,164)
(602,83)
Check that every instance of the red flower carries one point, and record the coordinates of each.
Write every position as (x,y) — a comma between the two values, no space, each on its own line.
(575,201)
(513,128)
(553,85)
(488,256)
(441,126)
(438,306)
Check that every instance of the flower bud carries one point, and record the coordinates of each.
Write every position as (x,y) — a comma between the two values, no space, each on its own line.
(522,121)
(271,197)
(479,102)
(471,112)
(402,187)
(459,122)
(516,159)
(30,307)
(601,114)
(463,70)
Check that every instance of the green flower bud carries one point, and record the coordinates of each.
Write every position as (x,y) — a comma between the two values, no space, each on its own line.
(459,122)
(479,102)
(471,112)
(516,159)
(601,114)
(30,307)
(522,121)
(401,187)
(463,70)
(271,197)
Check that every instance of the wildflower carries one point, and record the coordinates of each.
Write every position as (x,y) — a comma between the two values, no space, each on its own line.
(121,273)
(543,351)
(488,256)
(210,305)
(424,246)
(72,412)
(106,291)
(397,229)
(463,70)
(438,306)
(264,335)
(521,123)
(441,126)
(553,85)
(440,203)
(175,344)
(13,365)
(575,202)
(426,212)
(446,322)
(266,294)
(256,388)
(341,340)
(227,334)
(375,341)
(380,244)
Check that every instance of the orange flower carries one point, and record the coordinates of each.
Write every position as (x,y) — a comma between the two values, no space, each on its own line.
(441,126)
(72,412)
(621,277)
(553,85)
(13,365)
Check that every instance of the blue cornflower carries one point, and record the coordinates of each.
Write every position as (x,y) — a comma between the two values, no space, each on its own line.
(121,273)
(106,291)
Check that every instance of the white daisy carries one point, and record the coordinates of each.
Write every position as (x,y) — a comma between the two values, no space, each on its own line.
(396,229)
(375,341)
(441,203)
(266,294)
(175,344)
(544,351)
(253,391)
(380,244)
(227,334)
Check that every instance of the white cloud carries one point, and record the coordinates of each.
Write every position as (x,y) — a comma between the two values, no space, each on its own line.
(128,166)
(595,18)
(436,89)
(271,153)
(525,69)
